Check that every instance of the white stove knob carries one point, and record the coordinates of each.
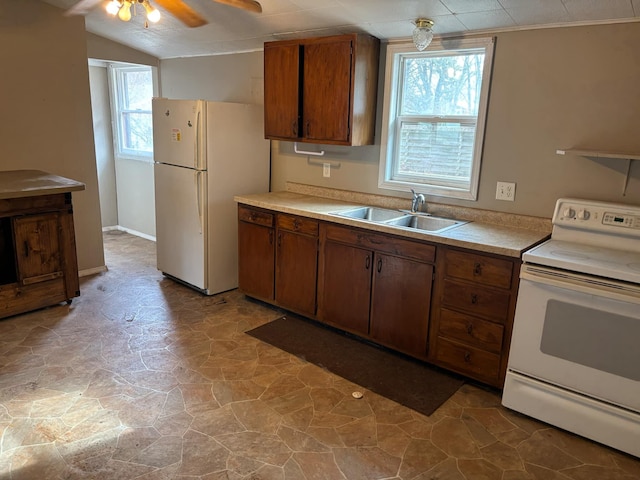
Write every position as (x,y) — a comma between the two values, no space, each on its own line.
(569,212)
(583,215)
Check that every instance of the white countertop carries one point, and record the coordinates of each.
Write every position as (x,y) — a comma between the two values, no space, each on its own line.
(486,237)
(31,183)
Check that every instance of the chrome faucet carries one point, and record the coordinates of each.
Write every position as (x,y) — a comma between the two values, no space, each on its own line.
(418,199)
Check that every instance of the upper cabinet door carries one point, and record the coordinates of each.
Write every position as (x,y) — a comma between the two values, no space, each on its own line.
(281,91)
(322,90)
(327,91)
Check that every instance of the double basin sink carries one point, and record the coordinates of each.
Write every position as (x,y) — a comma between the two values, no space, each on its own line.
(400,219)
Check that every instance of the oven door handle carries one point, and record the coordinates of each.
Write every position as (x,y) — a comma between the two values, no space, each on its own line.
(591,285)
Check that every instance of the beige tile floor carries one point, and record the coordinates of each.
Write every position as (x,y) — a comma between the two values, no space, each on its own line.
(142,378)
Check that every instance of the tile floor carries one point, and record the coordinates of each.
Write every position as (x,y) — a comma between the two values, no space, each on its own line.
(142,378)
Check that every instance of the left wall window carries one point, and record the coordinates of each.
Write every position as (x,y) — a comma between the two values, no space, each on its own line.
(132,89)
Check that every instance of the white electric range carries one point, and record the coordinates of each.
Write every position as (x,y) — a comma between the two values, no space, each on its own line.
(574,359)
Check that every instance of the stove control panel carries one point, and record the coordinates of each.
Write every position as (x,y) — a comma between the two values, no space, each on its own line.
(597,216)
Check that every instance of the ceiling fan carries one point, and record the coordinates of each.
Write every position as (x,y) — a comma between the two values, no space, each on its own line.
(177,8)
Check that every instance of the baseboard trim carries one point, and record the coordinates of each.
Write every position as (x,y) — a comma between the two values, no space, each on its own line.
(129,230)
(92,271)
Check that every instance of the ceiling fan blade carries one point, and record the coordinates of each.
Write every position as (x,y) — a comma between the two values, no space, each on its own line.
(250,5)
(182,12)
(82,7)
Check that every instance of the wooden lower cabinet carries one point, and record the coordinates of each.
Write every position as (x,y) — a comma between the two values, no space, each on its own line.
(278,258)
(382,293)
(37,253)
(256,253)
(400,303)
(296,264)
(449,306)
(472,316)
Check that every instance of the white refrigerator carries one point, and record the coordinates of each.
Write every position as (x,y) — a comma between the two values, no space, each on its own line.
(204,154)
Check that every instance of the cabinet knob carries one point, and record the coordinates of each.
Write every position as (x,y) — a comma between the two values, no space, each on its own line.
(477,269)
(474,299)
(467,357)
(379,265)
(470,328)
(367,262)
(296,224)
(294,127)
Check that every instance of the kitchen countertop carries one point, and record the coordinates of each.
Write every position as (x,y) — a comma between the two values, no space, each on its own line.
(31,183)
(486,237)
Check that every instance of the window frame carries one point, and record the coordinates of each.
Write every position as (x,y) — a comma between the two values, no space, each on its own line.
(391,127)
(116,86)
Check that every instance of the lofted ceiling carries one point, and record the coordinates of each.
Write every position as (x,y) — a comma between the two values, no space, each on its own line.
(233,30)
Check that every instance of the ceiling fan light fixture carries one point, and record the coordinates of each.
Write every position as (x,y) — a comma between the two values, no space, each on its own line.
(153,14)
(124,13)
(113,7)
(422,34)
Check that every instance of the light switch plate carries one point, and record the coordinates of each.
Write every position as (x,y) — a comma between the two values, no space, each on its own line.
(506,191)
(326,170)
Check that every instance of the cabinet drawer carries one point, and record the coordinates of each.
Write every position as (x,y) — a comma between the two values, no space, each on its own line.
(474,299)
(466,359)
(381,243)
(479,268)
(298,224)
(258,217)
(469,329)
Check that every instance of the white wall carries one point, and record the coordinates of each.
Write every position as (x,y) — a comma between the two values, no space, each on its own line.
(45,109)
(103,136)
(127,197)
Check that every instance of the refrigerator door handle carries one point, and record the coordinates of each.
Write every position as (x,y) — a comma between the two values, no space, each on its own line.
(197,161)
(199,188)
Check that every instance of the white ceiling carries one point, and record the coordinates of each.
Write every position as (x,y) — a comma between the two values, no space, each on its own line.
(234,30)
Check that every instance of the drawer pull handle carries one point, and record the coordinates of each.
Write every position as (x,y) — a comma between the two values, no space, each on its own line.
(477,269)
(252,216)
(296,224)
(271,237)
(470,328)
(279,239)
(467,357)
(294,125)
(379,265)
(474,299)
(367,262)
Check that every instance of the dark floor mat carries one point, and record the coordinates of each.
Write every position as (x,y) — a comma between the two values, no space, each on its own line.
(413,384)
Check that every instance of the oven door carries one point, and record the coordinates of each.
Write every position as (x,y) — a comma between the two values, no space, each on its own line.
(579,333)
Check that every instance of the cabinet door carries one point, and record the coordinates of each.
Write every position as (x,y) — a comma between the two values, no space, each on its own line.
(327,91)
(346,287)
(296,272)
(256,260)
(37,248)
(281,91)
(400,303)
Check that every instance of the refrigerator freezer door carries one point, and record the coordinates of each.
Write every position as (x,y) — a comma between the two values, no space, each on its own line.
(181,223)
(178,127)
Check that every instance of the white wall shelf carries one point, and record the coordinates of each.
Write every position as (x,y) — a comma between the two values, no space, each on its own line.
(600,154)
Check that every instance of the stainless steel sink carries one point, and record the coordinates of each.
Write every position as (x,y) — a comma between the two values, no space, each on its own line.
(402,219)
(373,214)
(431,224)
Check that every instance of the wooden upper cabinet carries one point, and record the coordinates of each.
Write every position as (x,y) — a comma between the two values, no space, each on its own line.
(322,90)
(281,90)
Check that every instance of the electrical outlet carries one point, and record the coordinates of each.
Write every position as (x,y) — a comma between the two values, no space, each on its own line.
(506,191)
(326,170)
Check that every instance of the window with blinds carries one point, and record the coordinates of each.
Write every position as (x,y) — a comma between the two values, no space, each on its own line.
(435,106)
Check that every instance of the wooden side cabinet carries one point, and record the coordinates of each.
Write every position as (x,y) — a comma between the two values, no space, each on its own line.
(322,90)
(37,253)
(472,318)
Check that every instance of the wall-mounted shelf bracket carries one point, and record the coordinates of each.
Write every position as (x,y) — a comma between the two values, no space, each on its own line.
(599,154)
(305,152)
